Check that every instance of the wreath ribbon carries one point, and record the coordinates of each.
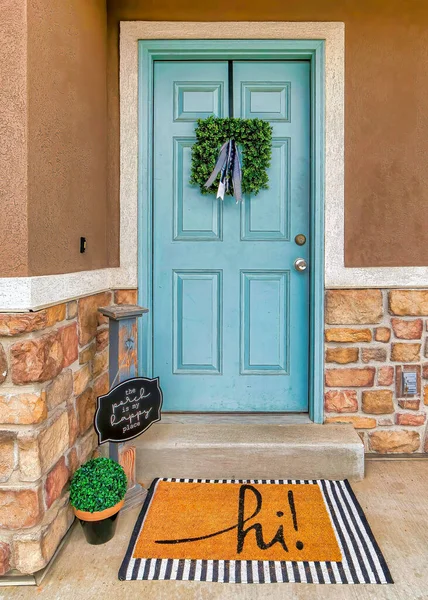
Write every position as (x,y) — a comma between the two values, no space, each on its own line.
(229,166)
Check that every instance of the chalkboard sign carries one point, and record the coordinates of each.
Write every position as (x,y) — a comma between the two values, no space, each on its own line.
(128,409)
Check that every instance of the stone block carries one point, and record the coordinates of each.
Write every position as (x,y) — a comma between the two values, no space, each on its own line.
(357,422)
(385,376)
(102,339)
(85,405)
(81,379)
(410,419)
(19,509)
(3,364)
(102,319)
(405,353)
(101,385)
(410,404)
(350,377)
(407,330)
(425,371)
(348,335)
(378,402)
(385,422)
(100,363)
(7,457)
(73,425)
(382,334)
(72,461)
(86,446)
(394,442)
(341,355)
(37,360)
(56,530)
(125,296)
(28,554)
(426,395)
(87,315)
(60,389)
(23,409)
(353,307)
(30,468)
(4,558)
(373,355)
(88,353)
(55,482)
(55,314)
(53,442)
(33,551)
(71,310)
(412,303)
(15,324)
(37,455)
(68,337)
(341,401)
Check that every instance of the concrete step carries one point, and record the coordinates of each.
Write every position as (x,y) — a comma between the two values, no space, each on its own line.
(262,451)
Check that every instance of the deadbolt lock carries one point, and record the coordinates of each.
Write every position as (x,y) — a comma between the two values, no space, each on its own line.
(300,239)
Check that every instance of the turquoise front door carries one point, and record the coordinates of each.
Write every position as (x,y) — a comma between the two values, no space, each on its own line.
(230,310)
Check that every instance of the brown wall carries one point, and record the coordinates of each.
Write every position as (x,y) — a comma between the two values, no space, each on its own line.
(55,102)
(386,112)
(13,136)
(67,135)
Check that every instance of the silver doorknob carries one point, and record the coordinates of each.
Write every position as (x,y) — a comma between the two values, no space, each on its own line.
(300,264)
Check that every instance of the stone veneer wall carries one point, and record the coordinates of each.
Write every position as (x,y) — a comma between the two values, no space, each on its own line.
(54,362)
(53,365)
(371,337)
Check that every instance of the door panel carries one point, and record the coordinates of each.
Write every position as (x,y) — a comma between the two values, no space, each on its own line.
(197,336)
(264,333)
(193,220)
(230,313)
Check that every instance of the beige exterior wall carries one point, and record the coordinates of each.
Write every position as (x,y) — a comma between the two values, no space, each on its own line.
(67,136)
(13,134)
(53,96)
(73,185)
(386,124)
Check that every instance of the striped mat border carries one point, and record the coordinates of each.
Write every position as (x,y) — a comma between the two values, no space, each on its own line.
(362,562)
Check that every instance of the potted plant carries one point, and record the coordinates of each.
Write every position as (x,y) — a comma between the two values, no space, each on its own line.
(97,493)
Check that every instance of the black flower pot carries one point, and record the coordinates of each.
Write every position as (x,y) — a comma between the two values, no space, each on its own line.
(100,532)
(99,527)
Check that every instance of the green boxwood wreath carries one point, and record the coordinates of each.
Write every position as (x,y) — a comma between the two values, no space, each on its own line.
(254,138)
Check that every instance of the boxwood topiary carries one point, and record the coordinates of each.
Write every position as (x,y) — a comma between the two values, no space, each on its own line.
(253,136)
(98,484)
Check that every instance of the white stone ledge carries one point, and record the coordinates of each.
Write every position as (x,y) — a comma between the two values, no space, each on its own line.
(20,294)
(339,276)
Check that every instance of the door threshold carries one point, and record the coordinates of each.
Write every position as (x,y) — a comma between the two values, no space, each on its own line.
(235,418)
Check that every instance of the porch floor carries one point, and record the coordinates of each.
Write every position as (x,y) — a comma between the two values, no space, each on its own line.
(394,496)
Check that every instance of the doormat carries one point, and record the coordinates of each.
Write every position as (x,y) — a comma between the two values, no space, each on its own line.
(253,531)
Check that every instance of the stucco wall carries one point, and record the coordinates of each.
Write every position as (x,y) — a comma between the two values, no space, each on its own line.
(386,124)
(13,135)
(73,185)
(53,162)
(67,161)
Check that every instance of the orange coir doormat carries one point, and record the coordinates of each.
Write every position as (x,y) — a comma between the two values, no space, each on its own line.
(253,531)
